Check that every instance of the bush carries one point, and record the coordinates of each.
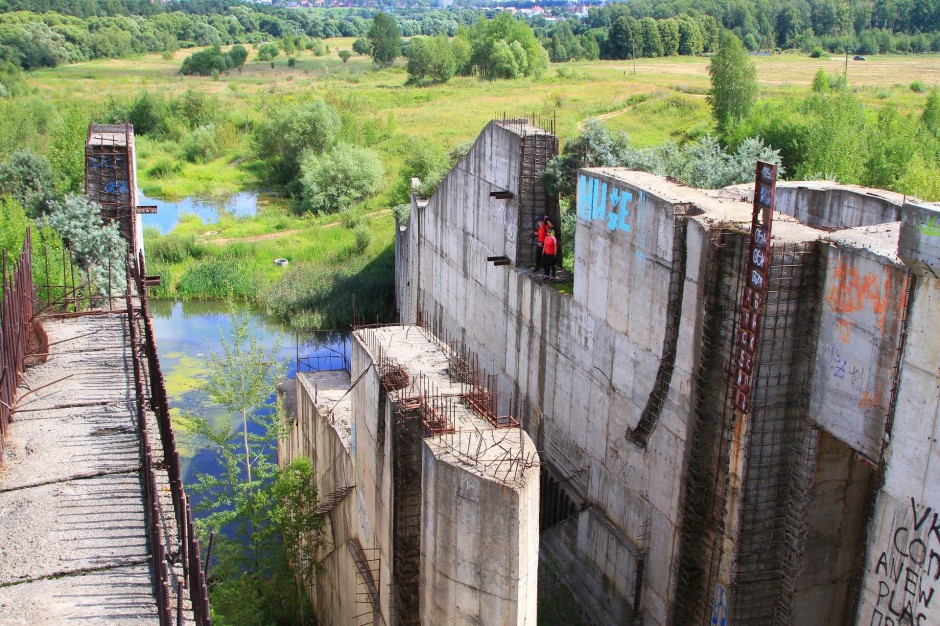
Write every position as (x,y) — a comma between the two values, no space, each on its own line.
(344,55)
(206,62)
(287,132)
(363,237)
(291,62)
(918,86)
(268,51)
(817,53)
(164,168)
(202,145)
(334,180)
(28,178)
(98,248)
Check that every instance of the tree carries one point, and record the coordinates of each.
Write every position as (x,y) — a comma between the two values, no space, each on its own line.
(286,133)
(333,181)
(238,54)
(734,83)
(384,39)
(430,58)
(263,518)
(28,178)
(344,55)
(624,39)
(669,34)
(789,24)
(206,62)
(96,246)
(268,51)
(361,46)
(241,377)
(652,41)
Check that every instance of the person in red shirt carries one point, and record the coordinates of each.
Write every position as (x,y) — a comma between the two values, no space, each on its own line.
(540,232)
(550,249)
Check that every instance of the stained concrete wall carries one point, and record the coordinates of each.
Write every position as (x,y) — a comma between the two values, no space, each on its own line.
(317,435)
(903,565)
(479,543)
(584,368)
(859,334)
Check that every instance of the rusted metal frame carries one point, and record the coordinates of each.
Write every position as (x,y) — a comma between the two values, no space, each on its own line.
(154,524)
(194,573)
(17,313)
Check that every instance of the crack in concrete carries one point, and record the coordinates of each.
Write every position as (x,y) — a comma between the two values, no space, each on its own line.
(85,476)
(82,571)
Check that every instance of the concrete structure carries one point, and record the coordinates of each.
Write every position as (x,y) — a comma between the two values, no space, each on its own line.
(431,509)
(661,503)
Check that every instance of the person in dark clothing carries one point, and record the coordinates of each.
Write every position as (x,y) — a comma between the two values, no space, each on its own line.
(549,251)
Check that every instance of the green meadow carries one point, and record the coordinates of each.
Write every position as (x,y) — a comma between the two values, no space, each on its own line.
(651,100)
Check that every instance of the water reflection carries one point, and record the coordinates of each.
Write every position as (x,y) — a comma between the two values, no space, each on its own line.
(188,332)
(244,204)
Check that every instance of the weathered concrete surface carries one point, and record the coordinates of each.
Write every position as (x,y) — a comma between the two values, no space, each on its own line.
(324,438)
(117,595)
(920,238)
(584,369)
(70,492)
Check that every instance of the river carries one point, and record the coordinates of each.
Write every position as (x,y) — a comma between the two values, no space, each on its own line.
(244,204)
(187,333)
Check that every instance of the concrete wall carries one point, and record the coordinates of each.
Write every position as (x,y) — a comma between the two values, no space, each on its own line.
(584,366)
(313,435)
(856,355)
(920,238)
(479,544)
(902,571)
(373,494)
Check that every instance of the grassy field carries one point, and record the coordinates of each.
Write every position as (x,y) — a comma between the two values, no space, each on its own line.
(664,98)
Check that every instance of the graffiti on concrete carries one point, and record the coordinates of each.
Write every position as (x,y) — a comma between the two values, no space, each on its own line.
(594,196)
(908,571)
(846,368)
(852,292)
(930,228)
(720,607)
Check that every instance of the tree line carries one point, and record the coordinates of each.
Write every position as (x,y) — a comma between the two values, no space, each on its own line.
(51,32)
(861,26)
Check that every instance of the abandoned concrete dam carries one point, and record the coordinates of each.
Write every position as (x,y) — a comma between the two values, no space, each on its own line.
(732,419)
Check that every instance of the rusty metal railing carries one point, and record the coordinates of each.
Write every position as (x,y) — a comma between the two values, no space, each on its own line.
(193,573)
(16,314)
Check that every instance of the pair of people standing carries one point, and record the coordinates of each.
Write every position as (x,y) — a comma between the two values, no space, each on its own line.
(546,246)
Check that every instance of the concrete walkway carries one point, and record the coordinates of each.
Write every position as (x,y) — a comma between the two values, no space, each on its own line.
(73,546)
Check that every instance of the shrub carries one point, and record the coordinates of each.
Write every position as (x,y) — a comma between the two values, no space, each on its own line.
(402,213)
(334,180)
(817,53)
(287,132)
(202,145)
(28,178)
(291,62)
(344,55)
(206,62)
(918,86)
(268,51)
(97,247)
(164,167)
(363,237)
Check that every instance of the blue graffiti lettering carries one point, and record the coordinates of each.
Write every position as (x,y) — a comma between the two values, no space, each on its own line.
(593,201)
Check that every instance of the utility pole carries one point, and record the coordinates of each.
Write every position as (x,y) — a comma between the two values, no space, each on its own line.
(633,46)
(846,65)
